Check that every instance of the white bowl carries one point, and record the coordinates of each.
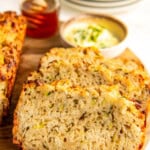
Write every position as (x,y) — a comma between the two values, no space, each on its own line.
(113,25)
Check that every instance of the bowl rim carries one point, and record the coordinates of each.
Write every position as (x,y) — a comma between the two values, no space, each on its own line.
(101,15)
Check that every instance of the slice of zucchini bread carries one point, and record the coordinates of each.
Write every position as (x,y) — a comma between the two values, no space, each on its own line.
(12,32)
(60,116)
(74,55)
(84,66)
(129,74)
(72,63)
(82,74)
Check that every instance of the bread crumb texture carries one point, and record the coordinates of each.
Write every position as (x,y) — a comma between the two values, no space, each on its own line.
(78,100)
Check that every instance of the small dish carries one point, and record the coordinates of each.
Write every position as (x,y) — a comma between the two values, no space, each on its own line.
(103,4)
(104,32)
(117,7)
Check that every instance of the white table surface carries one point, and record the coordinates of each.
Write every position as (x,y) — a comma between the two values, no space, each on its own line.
(137,21)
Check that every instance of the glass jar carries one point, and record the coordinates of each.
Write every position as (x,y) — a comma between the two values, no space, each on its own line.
(42,17)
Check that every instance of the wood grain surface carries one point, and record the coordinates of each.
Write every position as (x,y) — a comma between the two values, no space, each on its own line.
(33,49)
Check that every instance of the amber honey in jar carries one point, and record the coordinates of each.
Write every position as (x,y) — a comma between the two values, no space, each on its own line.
(42,17)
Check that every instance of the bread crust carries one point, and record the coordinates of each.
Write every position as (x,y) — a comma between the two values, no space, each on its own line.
(12,33)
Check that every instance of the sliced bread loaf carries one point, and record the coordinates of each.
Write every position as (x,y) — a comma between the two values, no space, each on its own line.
(58,116)
(79,100)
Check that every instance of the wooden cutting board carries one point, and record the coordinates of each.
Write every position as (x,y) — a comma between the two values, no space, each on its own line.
(33,49)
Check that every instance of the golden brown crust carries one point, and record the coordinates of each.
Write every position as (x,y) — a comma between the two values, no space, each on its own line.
(147,124)
(12,33)
(14,131)
(15,120)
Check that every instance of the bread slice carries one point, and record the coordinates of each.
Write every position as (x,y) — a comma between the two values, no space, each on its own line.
(72,63)
(82,66)
(129,74)
(82,74)
(74,55)
(60,116)
(12,32)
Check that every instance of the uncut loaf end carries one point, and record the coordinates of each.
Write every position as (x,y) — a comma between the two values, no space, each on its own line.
(12,32)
